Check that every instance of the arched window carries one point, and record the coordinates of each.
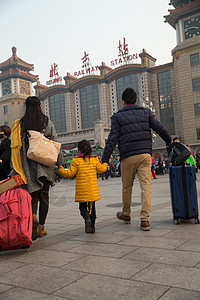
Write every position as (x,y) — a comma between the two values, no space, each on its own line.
(157,155)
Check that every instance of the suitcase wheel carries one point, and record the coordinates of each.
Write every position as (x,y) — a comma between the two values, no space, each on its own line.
(196,221)
(22,246)
(0,248)
(176,221)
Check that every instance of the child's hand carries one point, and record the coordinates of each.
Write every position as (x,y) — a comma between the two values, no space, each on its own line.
(60,167)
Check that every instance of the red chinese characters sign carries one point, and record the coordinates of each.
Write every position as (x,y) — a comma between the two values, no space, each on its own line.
(53,74)
(123,54)
(87,69)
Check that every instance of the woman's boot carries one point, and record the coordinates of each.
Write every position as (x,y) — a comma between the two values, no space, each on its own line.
(41,231)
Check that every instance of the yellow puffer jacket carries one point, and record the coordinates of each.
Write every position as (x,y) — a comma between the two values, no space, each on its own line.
(85,170)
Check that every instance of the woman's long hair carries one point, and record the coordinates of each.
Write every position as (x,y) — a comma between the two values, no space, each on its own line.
(33,119)
(85,148)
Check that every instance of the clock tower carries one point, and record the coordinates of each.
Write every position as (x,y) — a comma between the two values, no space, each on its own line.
(15,86)
(185,19)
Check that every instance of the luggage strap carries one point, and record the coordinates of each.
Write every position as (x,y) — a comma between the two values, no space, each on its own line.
(174,149)
(9,211)
(185,192)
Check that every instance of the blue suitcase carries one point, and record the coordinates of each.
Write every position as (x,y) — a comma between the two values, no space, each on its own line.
(184,193)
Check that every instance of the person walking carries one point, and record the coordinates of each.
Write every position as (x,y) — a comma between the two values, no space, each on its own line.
(191,160)
(131,128)
(85,167)
(37,177)
(152,168)
(5,151)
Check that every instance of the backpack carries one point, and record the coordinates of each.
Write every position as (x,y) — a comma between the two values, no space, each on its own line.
(178,153)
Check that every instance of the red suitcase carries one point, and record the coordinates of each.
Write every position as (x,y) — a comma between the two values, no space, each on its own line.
(15,220)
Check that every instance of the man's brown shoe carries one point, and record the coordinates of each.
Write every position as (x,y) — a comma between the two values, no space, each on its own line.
(121,216)
(145,225)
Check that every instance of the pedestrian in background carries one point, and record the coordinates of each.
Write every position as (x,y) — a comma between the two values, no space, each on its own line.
(131,128)
(5,151)
(85,167)
(152,168)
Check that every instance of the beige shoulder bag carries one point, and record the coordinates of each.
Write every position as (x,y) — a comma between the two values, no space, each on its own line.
(42,149)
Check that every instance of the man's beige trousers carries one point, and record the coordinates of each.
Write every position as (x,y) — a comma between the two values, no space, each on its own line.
(139,164)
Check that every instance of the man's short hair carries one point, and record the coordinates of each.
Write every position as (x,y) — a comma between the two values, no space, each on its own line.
(129,96)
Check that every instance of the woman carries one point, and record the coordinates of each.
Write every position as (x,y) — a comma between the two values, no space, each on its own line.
(36,176)
(5,151)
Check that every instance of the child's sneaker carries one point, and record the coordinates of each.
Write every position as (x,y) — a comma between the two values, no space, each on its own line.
(88,227)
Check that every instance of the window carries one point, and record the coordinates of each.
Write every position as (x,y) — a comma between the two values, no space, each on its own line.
(5,109)
(165,100)
(197,109)
(58,112)
(198,133)
(89,102)
(196,84)
(194,59)
(122,83)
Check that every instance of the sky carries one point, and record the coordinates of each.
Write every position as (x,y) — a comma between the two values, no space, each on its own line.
(59,31)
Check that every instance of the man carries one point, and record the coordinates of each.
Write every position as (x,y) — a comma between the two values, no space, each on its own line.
(131,128)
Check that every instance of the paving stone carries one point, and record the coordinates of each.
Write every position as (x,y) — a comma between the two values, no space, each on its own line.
(104,287)
(165,256)
(70,227)
(40,278)
(48,241)
(48,257)
(166,225)
(138,232)
(191,245)
(186,234)
(54,226)
(155,242)
(3,288)
(108,229)
(64,246)
(8,265)
(180,294)
(107,266)
(103,249)
(181,277)
(101,238)
(19,293)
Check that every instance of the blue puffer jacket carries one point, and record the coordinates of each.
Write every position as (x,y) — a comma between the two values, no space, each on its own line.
(131,128)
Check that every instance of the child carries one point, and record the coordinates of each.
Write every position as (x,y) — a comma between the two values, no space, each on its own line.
(85,167)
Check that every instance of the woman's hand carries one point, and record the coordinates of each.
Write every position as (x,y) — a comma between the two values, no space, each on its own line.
(61,167)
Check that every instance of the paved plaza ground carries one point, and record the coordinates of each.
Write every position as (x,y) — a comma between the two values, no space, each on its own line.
(119,261)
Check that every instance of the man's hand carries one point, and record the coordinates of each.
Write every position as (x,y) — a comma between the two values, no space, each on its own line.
(1,161)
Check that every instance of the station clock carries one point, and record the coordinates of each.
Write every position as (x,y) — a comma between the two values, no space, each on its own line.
(192,27)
